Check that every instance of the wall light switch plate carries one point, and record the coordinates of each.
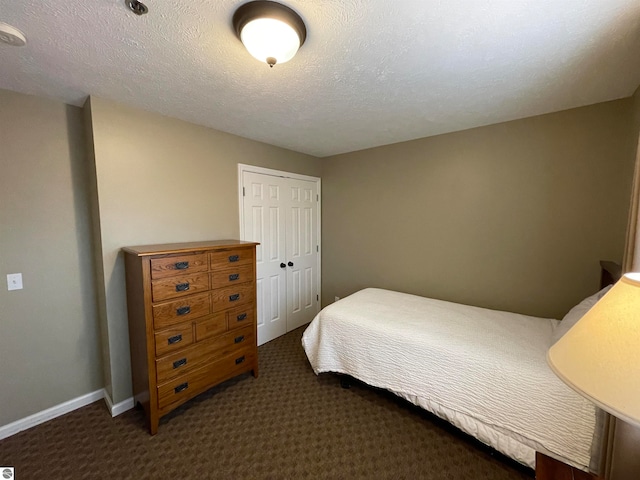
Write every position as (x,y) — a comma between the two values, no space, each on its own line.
(14,281)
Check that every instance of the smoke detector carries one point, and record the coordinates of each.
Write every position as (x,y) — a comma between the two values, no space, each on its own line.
(11,36)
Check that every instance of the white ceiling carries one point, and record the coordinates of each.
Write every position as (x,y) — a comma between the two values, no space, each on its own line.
(372,72)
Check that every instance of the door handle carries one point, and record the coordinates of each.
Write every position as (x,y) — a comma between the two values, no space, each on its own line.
(282,265)
(290,264)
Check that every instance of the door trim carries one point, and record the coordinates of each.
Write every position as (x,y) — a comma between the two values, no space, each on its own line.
(280,173)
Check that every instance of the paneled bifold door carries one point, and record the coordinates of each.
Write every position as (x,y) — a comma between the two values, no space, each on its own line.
(282,214)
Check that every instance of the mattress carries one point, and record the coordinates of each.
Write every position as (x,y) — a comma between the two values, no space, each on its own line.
(485,371)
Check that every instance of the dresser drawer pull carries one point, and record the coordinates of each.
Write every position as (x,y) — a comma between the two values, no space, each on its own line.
(179,363)
(174,339)
(239,360)
(183,310)
(182,265)
(233,277)
(238,339)
(182,287)
(241,317)
(234,297)
(234,258)
(182,387)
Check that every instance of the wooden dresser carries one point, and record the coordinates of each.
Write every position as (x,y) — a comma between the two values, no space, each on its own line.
(192,319)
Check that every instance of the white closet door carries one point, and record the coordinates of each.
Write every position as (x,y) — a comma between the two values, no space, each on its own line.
(282,214)
(302,255)
(264,222)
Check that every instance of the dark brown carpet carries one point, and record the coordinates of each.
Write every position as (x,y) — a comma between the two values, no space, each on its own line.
(287,424)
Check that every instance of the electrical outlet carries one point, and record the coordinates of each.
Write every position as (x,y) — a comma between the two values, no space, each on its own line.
(14,281)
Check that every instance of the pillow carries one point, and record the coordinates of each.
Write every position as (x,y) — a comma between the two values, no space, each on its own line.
(576,313)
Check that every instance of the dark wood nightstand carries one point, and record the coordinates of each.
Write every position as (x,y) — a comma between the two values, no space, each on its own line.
(548,468)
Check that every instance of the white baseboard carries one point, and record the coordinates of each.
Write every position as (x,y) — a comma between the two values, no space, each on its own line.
(120,407)
(66,407)
(50,413)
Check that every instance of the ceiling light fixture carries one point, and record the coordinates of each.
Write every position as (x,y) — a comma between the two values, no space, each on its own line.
(12,36)
(270,31)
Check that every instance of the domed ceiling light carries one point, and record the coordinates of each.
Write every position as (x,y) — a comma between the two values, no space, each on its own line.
(270,31)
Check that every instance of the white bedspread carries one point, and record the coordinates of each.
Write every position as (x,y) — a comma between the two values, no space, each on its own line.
(483,370)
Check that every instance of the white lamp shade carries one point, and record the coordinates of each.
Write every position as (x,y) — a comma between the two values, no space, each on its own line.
(270,38)
(599,356)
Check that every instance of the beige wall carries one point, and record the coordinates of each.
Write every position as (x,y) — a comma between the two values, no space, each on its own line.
(164,180)
(635,99)
(49,347)
(513,216)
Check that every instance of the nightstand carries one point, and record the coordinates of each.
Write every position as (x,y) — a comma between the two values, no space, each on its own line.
(548,468)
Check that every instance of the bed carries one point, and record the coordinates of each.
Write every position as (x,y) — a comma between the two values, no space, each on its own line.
(482,370)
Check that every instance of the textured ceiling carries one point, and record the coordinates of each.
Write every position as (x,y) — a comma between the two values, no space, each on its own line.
(370,73)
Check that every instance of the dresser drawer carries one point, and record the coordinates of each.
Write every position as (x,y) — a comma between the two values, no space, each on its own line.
(187,308)
(178,264)
(179,286)
(211,327)
(231,342)
(229,297)
(199,353)
(232,276)
(174,338)
(241,316)
(187,386)
(231,258)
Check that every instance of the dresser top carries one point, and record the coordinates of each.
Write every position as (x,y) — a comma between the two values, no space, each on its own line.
(167,248)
